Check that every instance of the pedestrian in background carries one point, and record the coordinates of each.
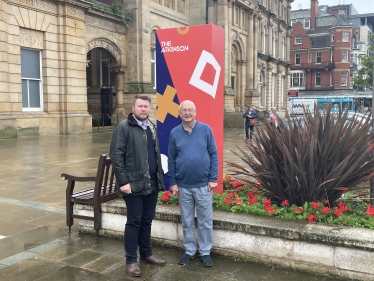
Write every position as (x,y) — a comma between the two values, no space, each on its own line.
(274,115)
(136,161)
(250,116)
(193,172)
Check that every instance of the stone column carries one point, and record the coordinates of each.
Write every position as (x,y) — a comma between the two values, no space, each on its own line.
(119,112)
(250,52)
(270,38)
(269,85)
(255,52)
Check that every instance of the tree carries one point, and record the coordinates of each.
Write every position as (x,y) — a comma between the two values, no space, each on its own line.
(364,79)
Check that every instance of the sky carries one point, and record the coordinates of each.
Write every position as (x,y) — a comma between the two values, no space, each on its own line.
(362,6)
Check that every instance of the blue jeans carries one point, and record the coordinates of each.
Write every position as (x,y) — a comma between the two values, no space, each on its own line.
(140,213)
(202,199)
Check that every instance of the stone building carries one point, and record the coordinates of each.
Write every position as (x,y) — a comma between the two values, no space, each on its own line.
(69,64)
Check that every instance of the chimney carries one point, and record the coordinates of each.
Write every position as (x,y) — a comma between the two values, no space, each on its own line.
(313,13)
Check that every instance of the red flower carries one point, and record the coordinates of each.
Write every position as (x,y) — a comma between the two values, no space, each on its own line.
(227,201)
(299,210)
(228,177)
(286,203)
(238,201)
(167,192)
(258,183)
(325,210)
(165,198)
(230,195)
(370,211)
(338,212)
(343,207)
(251,194)
(312,218)
(236,184)
(269,209)
(266,202)
(315,205)
(252,201)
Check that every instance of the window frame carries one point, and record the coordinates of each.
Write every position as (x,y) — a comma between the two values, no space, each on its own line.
(298,40)
(153,66)
(345,36)
(318,57)
(344,74)
(41,103)
(297,57)
(307,20)
(300,76)
(318,78)
(345,55)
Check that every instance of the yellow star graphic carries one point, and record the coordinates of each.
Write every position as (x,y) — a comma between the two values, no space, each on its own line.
(166,105)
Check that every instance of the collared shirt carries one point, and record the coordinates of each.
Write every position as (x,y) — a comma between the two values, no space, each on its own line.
(191,127)
(141,124)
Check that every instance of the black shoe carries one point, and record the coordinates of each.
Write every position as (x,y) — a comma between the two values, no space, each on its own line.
(207,260)
(185,259)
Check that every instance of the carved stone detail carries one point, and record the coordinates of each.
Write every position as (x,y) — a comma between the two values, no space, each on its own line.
(181,6)
(75,12)
(168,3)
(31,38)
(39,4)
(153,37)
(105,44)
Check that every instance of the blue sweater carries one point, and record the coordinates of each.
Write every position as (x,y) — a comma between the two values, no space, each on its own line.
(192,158)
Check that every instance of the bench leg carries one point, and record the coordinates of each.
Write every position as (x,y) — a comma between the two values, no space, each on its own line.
(69,214)
(97,221)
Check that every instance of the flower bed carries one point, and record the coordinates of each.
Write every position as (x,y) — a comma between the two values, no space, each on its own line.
(242,198)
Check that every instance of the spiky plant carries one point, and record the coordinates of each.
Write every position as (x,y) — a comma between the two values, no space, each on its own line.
(316,157)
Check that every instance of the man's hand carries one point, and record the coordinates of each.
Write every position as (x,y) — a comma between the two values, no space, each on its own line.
(212,185)
(126,188)
(174,188)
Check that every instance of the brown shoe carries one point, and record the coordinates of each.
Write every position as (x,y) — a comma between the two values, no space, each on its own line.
(133,269)
(153,260)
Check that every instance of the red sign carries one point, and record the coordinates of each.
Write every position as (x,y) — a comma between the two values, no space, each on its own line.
(293,93)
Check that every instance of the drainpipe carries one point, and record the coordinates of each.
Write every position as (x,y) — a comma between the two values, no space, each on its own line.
(206,11)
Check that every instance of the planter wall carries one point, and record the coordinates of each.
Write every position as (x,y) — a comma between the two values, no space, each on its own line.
(316,248)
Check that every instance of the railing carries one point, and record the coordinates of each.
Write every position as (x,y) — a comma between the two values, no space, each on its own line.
(97,121)
(314,65)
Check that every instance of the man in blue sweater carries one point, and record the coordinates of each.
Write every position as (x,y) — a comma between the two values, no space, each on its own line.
(193,172)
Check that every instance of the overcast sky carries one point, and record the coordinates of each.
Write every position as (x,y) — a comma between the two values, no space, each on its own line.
(362,6)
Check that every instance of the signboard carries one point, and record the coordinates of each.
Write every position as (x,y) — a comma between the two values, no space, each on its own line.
(293,93)
(190,66)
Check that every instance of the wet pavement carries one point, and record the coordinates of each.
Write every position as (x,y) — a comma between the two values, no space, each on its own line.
(34,239)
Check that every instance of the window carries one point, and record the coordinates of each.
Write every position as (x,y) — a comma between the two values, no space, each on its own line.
(153,68)
(344,78)
(318,57)
(318,79)
(233,82)
(307,23)
(341,12)
(344,55)
(297,59)
(298,40)
(345,36)
(243,20)
(332,38)
(297,79)
(32,98)
(293,22)
(236,16)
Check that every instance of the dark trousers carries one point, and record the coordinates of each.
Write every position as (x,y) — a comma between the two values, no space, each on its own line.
(140,213)
(247,128)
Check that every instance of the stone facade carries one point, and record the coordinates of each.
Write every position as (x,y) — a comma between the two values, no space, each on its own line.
(66,63)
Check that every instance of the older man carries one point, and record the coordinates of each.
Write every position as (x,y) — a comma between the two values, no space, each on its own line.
(193,172)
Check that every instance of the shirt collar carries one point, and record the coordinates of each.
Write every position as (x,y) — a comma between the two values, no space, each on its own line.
(191,127)
(141,124)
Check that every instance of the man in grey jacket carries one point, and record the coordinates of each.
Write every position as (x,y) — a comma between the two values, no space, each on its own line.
(136,161)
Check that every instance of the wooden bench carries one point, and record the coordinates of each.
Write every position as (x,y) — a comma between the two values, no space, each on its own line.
(103,190)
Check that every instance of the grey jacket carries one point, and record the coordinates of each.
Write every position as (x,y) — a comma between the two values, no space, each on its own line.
(129,154)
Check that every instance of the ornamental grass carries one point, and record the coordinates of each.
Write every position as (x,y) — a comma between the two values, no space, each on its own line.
(312,158)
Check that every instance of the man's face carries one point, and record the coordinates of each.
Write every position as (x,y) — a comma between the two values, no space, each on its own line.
(187,112)
(141,109)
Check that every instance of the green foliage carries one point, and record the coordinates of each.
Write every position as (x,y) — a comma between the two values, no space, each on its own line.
(319,161)
(364,79)
(119,10)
